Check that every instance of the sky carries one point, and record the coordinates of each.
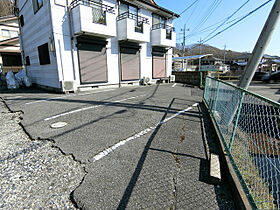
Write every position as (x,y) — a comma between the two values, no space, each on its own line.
(241,37)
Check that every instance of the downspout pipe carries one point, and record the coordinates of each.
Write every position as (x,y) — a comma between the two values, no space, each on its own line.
(71,37)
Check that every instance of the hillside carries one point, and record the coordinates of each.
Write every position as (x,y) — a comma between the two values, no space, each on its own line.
(207,49)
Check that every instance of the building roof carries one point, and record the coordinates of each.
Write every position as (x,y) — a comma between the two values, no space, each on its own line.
(192,57)
(7,18)
(153,4)
(8,41)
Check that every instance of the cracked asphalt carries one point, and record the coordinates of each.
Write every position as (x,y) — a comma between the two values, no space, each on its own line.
(141,147)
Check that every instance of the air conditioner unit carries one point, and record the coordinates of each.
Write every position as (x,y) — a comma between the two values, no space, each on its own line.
(172,78)
(145,81)
(68,86)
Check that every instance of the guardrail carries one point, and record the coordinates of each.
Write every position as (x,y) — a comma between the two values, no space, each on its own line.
(249,127)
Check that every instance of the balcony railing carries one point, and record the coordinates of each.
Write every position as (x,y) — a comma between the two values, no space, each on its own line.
(139,20)
(169,29)
(96,5)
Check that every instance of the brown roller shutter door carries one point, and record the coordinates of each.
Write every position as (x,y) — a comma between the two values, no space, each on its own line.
(93,63)
(159,65)
(130,64)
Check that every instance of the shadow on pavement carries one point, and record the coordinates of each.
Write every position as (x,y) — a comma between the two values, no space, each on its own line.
(126,196)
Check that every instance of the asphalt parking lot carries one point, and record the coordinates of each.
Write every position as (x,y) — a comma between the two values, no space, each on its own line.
(141,147)
(271,91)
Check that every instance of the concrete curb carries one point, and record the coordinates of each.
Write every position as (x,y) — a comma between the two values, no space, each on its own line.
(239,196)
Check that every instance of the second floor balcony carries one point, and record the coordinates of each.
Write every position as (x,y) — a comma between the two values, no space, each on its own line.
(93,18)
(163,35)
(133,27)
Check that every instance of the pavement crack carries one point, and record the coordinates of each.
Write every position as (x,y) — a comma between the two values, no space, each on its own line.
(38,143)
(178,169)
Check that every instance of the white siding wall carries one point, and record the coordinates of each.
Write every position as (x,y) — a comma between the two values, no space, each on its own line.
(62,40)
(169,62)
(82,22)
(35,32)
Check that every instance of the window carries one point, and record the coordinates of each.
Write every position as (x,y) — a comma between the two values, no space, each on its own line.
(13,34)
(27,61)
(123,8)
(44,56)
(21,21)
(98,15)
(37,4)
(6,33)
(158,21)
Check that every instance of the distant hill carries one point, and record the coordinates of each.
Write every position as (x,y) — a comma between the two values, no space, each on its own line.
(207,49)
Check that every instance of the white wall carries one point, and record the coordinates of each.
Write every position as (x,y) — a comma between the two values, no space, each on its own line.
(62,39)
(82,22)
(35,32)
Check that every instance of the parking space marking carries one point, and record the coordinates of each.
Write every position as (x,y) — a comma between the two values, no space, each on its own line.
(174,84)
(14,97)
(65,96)
(90,107)
(138,135)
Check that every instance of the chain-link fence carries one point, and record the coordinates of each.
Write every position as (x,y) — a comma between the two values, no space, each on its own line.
(249,127)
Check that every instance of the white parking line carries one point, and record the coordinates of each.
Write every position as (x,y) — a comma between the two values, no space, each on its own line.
(14,97)
(174,84)
(90,107)
(138,135)
(65,96)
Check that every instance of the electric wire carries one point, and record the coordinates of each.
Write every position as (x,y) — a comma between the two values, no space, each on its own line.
(208,13)
(229,17)
(238,21)
(208,28)
(188,7)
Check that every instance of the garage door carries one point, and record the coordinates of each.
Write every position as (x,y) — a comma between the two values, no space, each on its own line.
(130,64)
(93,63)
(159,65)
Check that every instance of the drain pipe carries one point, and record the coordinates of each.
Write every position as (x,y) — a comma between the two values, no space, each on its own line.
(71,38)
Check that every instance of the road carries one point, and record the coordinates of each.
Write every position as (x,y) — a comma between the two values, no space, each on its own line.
(271,91)
(141,147)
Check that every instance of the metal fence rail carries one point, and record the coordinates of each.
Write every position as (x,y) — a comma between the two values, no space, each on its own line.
(249,126)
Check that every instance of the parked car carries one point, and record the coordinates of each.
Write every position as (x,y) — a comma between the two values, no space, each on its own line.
(259,75)
(271,78)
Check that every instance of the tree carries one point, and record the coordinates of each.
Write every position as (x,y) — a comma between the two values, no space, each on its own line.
(6,7)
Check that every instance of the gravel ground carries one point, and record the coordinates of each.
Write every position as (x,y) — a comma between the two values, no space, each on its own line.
(33,174)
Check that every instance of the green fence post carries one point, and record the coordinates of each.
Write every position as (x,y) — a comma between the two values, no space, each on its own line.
(205,88)
(201,78)
(216,98)
(236,122)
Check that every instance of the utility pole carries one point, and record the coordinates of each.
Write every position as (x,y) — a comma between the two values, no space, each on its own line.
(225,53)
(184,43)
(199,54)
(199,65)
(261,46)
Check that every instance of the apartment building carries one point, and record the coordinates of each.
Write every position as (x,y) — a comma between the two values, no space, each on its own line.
(67,45)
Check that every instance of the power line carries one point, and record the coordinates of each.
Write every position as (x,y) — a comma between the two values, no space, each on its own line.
(227,19)
(208,28)
(191,13)
(188,7)
(208,13)
(250,13)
